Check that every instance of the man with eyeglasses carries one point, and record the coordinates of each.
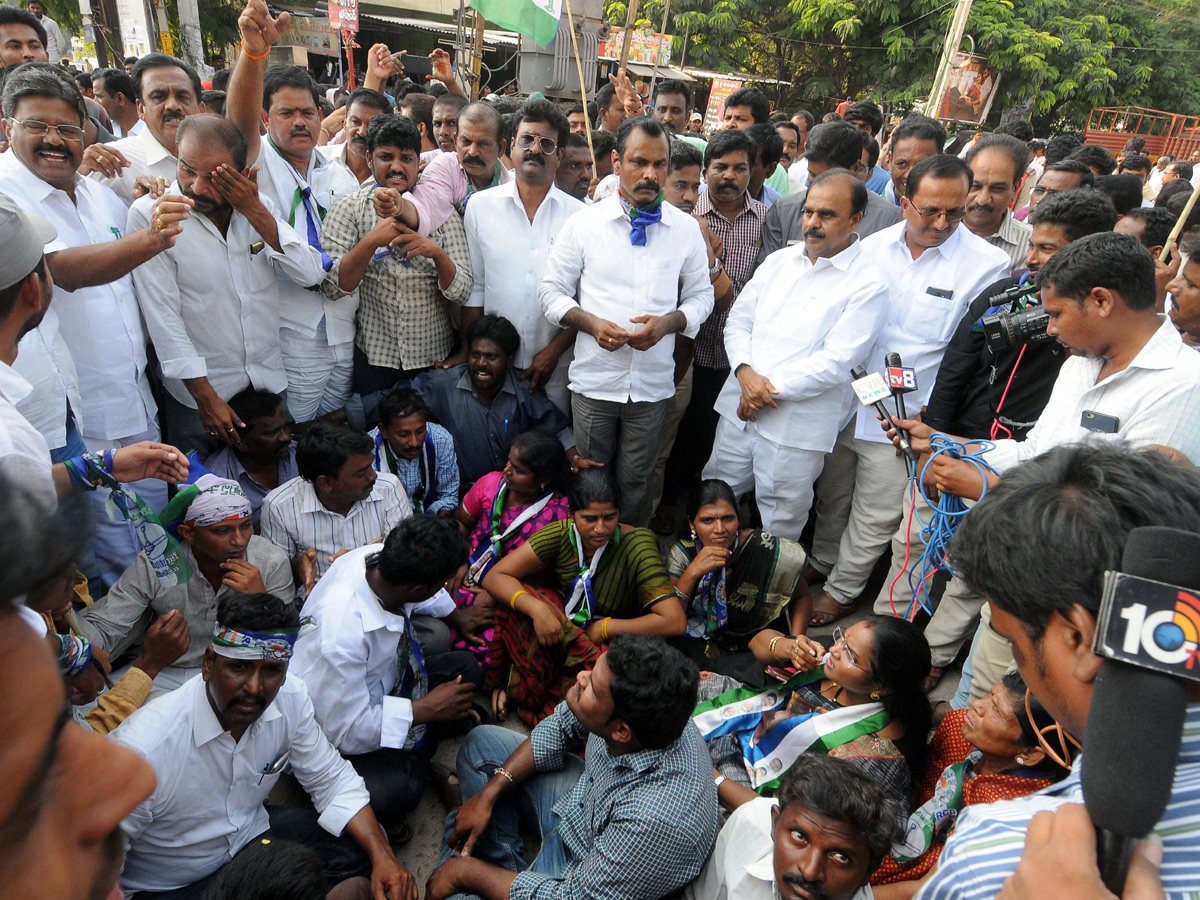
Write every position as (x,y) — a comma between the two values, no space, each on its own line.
(1064,175)
(936,267)
(510,230)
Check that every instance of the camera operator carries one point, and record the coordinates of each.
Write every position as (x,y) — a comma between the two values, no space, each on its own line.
(1063,520)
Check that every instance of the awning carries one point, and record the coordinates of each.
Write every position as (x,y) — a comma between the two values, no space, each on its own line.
(735,76)
(490,38)
(662,72)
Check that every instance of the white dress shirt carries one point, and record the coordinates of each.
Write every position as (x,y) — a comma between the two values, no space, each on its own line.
(44,361)
(208,802)
(211,302)
(742,866)
(508,259)
(57,44)
(300,309)
(594,259)
(336,154)
(920,324)
(1155,400)
(146,157)
(804,326)
(24,454)
(101,325)
(293,518)
(350,660)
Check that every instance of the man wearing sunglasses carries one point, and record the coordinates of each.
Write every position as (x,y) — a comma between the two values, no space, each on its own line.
(510,230)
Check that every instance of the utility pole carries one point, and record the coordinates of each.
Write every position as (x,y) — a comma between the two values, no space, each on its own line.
(658,57)
(954,36)
(189,33)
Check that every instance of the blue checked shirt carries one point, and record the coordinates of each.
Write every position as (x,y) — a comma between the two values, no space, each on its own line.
(989,839)
(635,827)
(445,497)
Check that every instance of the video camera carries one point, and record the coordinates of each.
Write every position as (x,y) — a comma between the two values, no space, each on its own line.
(1027,326)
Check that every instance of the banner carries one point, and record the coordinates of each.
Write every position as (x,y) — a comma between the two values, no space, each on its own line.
(343,15)
(649,48)
(970,88)
(536,19)
(722,88)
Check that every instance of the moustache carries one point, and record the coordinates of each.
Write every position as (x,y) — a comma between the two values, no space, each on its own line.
(170,116)
(301,131)
(985,207)
(646,185)
(474,161)
(814,233)
(534,157)
(358,139)
(800,881)
(51,148)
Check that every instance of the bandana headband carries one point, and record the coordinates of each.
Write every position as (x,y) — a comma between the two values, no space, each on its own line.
(256,645)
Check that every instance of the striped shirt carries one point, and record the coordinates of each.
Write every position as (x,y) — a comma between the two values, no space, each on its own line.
(1013,238)
(635,827)
(990,838)
(294,519)
(742,238)
(445,469)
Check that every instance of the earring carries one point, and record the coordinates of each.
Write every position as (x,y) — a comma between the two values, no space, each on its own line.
(693,534)
(1020,761)
(875,695)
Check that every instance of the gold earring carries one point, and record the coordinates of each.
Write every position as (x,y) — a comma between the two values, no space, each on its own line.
(693,534)
(875,696)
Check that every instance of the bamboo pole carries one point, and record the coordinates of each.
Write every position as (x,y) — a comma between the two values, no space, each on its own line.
(583,91)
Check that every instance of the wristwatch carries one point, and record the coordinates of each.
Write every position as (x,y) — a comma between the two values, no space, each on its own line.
(719,780)
(715,270)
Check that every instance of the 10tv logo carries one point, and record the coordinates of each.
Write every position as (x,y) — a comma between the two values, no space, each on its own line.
(1170,636)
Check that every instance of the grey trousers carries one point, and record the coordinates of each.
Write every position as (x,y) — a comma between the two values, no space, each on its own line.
(631,434)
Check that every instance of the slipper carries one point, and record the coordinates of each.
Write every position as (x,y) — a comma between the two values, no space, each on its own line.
(445,783)
(499,704)
(826,610)
(932,679)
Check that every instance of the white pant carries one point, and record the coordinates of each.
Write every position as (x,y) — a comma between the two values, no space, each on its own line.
(318,373)
(782,477)
(116,543)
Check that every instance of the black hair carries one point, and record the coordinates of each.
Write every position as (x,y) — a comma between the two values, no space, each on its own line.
(1016,151)
(253,404)
(1035,146)
(593,485)
(370,99)
(900,660)
(767,142)
(83,80)
(1136,163)
(1060,147)
(543,111)
(400,404)
(1182,168)
(212,127)
(760,106)
(923,128)
(508,130)
(269,870)
(866,112)
(1079,211)
(421,550)
(858,189)
(496,329)
(872,153)
(1175,188)
(130,60)
(419,108)
(1087,177)
(213,102)
(603,143)
(592,110)
(220,79)
(674,86)
(837,144)
(604,99)
(1125,191)
(541,452)
(481,111)
(729,140)
(1135,144)
(1015,685)
(711,490)
(647,125)
(326,446)
(404,88)
(14,15)
(838,790)
(806,116)
(937,166)
(279,77)
(653,687)
(1189,245)
(1017,128)
(436,89)
(163,61)
(458,101)
(8,295)
(393,130)
(256,612)
(787,123)
(36,79)
(1156,225)
(115,82)
(1096,158)
(1114,261)
(1077,505)
(580,142)
(684,154)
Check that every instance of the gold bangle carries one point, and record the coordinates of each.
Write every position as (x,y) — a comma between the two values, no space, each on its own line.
(512,601)
(771,646)
(251,56)
(604,628)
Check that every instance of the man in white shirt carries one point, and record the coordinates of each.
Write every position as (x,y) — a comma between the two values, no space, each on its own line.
(167,90)
(338,503)
(510,232)
(316,332)
(823,837)
(639,267)
(218,746)
(936,268)
(211,301)
(374,689)
(57,45)
(114,91)
(997,163)
(810,314)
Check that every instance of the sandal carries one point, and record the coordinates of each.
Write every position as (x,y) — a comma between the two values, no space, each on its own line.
(932,679)
(445,783)
(499,705)
(826,610)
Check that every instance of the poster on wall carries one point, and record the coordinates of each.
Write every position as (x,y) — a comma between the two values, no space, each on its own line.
(722,88)
(648,48)
(971,86)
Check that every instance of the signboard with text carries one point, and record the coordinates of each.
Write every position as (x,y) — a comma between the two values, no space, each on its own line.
(649,48)
(343,15)
(721,89)
(313,33)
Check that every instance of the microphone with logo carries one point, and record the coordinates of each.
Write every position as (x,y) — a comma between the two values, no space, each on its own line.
(871,390)
(1148,631)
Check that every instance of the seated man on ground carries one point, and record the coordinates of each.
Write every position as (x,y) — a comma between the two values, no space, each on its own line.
(218,746)
(635,820)
(225,557)
(823,838)
(418,452)
(263,456)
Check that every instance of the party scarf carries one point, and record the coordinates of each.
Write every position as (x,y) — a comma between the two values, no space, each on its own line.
(640,218)
(487,554)
(709,611)
(583,600)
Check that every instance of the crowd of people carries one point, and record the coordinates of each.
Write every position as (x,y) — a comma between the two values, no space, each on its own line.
(333,432)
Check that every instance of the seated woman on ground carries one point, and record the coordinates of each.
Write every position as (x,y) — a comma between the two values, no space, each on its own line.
(734,582)
(609,578)
(865,703)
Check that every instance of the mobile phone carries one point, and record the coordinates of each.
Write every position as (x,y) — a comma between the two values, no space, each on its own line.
(416,65)
(1099,422)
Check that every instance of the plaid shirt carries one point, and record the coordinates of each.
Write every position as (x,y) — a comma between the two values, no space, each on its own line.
(403,319)
(742,238)
(634,827)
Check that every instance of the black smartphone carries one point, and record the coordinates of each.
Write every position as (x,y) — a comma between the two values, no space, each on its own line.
(416,65)
(1099,422)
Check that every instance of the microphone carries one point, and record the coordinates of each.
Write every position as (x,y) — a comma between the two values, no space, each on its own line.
(871,393)
(1127,773)
(892,361)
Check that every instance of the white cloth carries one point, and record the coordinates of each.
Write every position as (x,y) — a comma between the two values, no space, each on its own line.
(211,302)
(146,157)
(742,866)
(1155,399)
(508,260)
(920,323)
(293,518)
(24,454)
(594,259)
(336,154)
(101,325)
(350,660)
(208,802)
(58,45)
(804,326)
(798,174)
(44,361)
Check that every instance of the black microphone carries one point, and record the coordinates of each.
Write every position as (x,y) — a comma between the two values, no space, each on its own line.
(860,372)
(1128,770)
(893,359)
